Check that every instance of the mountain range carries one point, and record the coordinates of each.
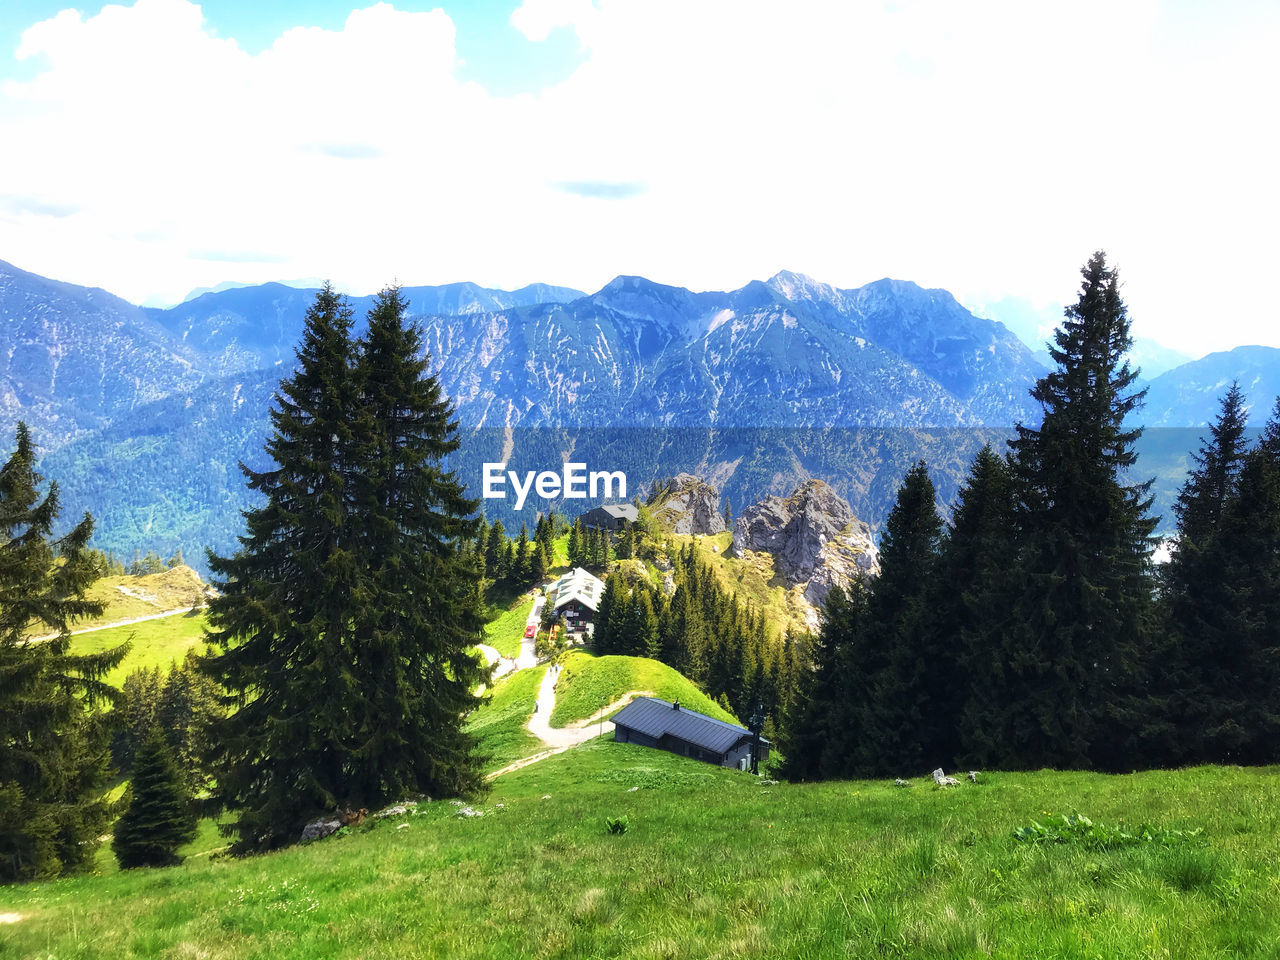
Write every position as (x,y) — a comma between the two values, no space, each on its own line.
(143,413)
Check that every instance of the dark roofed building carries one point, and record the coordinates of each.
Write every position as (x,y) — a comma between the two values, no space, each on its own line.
(610,516)
(656,723)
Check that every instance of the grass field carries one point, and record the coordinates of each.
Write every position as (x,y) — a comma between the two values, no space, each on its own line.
(499,724)
(505,631)
(714,865)
(588,683)
(127,598)
(156,643)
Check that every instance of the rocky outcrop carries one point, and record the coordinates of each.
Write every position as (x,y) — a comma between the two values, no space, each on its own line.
(814,537)
(688,505)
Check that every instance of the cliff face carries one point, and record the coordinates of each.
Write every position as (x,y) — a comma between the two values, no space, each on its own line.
(687,505)
(814,537)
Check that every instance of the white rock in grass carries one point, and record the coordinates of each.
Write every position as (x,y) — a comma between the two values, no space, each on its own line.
(942,780)
(902,783)
(401,826)
(973,776)
(632,789)
(546,796)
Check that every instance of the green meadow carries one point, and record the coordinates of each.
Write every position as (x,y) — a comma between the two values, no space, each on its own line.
(713,863)
(587,684)
(154,643)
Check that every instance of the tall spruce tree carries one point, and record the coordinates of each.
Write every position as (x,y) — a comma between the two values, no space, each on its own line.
(970,602)
(1194,699)
(283,616)
(905,669)
(818,741)
(1084,590)
(54,742)
(159,817)
(413,675)
(1218,463)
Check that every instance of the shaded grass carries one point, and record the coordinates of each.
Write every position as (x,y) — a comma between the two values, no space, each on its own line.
(156,643)
(712,865)
(588,683)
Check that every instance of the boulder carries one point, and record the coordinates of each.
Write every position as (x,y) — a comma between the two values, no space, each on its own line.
(319,828)
(686,504)
(814,537)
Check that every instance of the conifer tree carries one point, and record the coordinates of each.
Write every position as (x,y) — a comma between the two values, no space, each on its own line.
(647,642)
(537,563)
(605,638)
(576,550)
(54,742)
(282,618)
(413,672)
(1193,696)
(495,559)
(1218,463)
(905,669)
(970,603)
(818,741)
(1084,595)
(159,816)
(523,572)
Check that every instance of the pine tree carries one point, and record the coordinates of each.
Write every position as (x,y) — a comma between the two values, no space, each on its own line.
(495,559)
(970,603)
(537,563)
(413,672)
(1192,697)
(522,573)
(1218,463)
(818,742)
(1084,594)
(576,545)
(907,669)
(282,618)
(177,560)
(159,817)
(54,742)
(647,642)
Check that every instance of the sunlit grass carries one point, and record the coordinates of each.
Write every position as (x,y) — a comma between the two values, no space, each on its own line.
(713,864)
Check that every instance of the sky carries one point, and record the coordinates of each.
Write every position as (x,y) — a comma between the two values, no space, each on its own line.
(988,148)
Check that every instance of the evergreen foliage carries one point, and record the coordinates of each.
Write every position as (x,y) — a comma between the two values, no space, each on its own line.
(53,740)
(343,621)
(159,816)
(1083,603)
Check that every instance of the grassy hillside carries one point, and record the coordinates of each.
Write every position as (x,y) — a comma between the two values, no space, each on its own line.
(127,598)
(713,865)
(753,578)
(506,629)
(156,643)
(499,723)
(588,683)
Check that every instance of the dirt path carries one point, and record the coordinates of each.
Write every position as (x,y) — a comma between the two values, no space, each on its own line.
(118,623)
(560,739)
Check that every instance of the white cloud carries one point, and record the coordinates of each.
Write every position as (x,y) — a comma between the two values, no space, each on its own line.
(984,147)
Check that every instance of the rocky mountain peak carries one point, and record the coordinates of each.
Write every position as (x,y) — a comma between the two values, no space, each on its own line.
(814,536)
(687,505)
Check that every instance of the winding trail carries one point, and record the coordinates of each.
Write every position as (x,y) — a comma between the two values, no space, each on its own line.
(560,739)
(118,623)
